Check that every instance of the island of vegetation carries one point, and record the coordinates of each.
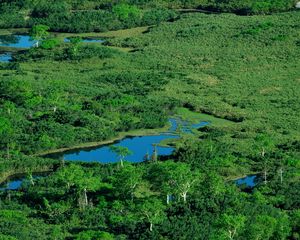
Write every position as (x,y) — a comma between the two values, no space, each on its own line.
(149,119)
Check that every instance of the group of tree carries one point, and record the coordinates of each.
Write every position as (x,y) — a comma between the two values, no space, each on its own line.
(60,17)
(156,199)
(68,16)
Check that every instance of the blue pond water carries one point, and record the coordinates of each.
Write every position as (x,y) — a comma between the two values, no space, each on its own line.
(88,40)
(139,146)
(16,41)
(5,57)
(12,185)
(17,182)
(249,181)
(185,126)
(24,41)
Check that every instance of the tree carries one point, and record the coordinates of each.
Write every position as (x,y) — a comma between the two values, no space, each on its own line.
(264,144)
(173,178)
(124,11)
(153,211)
(39,33)
(6,135)
(75,43)
(50,43)
(146,157)
(154,155)
(232,224)
(9,107)
(122,152)
(83,181)
(263,228)
(90,235)
(126,181)
(30,179)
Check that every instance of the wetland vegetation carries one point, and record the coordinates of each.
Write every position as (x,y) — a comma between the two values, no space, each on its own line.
(219,93)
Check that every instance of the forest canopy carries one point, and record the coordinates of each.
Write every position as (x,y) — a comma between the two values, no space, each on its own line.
(85,16)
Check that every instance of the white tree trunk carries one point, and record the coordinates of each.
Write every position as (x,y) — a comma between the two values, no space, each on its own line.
(31,180)
(151,227)
(263,152)
(231,233)
(265,177)
(184,195)
(85,198)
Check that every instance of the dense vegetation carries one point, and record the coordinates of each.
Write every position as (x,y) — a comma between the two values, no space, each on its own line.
(103,15)
(157,200)
(242,71)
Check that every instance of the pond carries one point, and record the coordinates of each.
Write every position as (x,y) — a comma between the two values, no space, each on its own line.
(5,57)
(140,146)
(25,41)
(12,184)
(16,41)
(16,181)
(249,181)
(88,40)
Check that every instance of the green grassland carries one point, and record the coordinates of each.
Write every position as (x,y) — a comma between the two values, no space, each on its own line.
(196,117)
(240,73)
(244,69)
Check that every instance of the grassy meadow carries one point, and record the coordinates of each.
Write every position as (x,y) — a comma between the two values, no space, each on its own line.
(240,73)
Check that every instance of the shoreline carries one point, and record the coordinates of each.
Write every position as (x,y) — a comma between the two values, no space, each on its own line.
(47,168)
(10,175)
(120,136)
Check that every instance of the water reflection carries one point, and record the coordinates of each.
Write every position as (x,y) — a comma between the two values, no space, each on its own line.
(16,41)
(249,181)
(6,57)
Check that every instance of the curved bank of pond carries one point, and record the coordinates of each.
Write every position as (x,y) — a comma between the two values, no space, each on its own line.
(249,181)
(16,41)
(140,146)
(5,57)
(16,182)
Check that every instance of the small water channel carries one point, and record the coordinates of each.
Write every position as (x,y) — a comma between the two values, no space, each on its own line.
(88,40)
